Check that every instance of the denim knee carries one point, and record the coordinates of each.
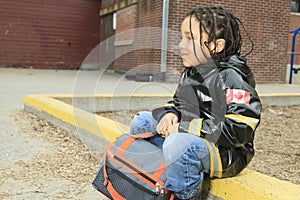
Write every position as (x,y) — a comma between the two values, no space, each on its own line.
(187,159)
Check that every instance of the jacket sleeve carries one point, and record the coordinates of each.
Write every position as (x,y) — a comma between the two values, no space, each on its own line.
(236,126)
(169,107)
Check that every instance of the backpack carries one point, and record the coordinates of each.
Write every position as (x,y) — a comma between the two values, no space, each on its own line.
(133,168)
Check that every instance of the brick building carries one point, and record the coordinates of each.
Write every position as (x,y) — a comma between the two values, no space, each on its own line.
(266,21)
(60,34)
(294,24)
(48,33)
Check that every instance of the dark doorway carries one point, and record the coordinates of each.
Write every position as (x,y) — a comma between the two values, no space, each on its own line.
(107,39)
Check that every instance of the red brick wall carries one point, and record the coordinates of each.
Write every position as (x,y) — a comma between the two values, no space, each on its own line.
(294,24)
(126,22)
(48,34)
(266,21)
(149,15)
(139,16)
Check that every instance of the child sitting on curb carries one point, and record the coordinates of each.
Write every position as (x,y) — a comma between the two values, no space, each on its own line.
(209,126)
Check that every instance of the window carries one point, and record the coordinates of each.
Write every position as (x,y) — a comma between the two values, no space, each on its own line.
(295,6)
(115,20)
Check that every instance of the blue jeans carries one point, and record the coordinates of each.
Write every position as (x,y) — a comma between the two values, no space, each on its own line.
(187,156)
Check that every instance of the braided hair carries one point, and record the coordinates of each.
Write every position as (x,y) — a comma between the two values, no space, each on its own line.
(219,23)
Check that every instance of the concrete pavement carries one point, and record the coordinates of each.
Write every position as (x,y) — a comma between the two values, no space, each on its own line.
(16,83)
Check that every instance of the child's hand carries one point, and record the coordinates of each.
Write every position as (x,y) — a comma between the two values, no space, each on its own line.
(172,129)
(167,121)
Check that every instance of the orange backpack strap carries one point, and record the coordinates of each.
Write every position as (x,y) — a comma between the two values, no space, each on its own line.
(126,144)
(106,182)
(113,192)
(160,170)
(144,135)
(104,164)
(121,150)
(172,197)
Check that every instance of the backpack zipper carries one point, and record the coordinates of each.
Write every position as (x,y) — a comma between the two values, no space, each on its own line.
(159,189)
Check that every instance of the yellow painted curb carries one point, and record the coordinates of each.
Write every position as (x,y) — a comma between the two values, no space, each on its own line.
(280,95)
(251,185)
(248,185)
(95,124)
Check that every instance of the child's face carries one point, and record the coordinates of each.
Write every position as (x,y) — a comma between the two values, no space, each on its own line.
(186,45)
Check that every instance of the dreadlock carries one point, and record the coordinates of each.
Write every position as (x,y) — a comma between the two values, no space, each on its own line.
(219,23)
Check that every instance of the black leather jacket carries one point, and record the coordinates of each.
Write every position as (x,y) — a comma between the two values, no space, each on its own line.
(224,101)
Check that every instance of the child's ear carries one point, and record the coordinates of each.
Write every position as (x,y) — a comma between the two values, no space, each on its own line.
(220,45)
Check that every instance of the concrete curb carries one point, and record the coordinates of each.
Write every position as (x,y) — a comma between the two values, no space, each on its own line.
(96,129)
(282,99)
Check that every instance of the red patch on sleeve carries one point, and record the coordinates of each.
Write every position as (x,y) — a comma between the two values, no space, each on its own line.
(237,96)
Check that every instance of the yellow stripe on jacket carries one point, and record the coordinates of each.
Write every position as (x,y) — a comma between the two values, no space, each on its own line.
(215,160)
(195,127)
(250,121)
(169,105)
